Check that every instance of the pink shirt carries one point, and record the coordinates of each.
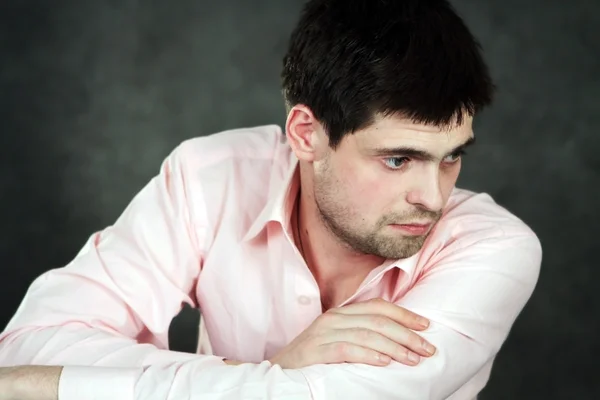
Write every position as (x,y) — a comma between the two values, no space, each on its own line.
(212,230)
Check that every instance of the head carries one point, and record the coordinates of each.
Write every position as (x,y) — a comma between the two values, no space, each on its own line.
(381,96)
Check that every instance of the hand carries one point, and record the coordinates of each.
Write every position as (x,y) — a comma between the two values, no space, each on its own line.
(373,332)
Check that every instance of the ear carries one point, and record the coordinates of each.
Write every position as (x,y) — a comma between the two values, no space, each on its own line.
(305,133)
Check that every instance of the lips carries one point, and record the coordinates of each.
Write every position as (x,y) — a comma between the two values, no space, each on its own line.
(426,223)
(414,228)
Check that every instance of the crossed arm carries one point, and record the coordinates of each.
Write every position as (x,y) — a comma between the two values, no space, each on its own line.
(471,298)
(468,327)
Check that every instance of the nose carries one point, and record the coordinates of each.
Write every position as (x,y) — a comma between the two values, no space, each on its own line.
(426,193)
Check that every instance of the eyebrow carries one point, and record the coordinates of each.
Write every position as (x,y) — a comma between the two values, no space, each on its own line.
(412,152)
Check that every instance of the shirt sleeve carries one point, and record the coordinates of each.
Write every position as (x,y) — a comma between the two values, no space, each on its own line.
(472,291)
(472,294)
(106,315)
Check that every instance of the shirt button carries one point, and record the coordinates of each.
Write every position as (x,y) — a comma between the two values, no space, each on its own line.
(304,300)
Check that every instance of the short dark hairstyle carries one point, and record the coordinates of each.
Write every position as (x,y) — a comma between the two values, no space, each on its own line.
(351,60)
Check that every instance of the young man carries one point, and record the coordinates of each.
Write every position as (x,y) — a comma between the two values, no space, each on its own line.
(334,260)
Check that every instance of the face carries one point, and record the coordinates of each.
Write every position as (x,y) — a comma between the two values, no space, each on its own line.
(383,189)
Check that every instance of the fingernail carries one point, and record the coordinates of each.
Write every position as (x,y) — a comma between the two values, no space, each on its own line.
(382,358)
(412,357)
(429,348)
(424,322)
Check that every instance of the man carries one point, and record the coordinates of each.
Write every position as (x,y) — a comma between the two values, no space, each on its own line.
(333,260)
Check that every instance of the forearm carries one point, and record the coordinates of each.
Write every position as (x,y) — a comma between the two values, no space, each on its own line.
(29,383)
(104,366)
(36,382)
(185,380)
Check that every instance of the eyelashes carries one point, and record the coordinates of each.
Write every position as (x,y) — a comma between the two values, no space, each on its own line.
(397,163)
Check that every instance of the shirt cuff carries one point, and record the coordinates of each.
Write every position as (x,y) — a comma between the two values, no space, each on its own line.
(97,383)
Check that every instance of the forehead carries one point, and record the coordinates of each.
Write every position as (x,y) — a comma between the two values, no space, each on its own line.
(393,131)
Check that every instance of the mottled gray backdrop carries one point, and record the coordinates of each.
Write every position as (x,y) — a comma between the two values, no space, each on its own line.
(94,94)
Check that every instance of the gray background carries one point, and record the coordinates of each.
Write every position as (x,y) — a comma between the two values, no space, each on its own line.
(93,95)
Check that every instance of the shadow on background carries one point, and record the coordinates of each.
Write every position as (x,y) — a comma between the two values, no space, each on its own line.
(38,102)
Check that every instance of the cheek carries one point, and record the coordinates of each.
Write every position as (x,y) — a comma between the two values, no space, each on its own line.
(371,190)
(363,189)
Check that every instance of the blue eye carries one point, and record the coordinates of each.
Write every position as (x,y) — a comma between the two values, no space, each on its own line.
(395,162)
(454,157)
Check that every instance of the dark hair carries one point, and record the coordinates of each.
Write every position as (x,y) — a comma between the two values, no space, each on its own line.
(350,60)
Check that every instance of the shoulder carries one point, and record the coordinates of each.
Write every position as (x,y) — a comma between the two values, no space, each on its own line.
(474,228)
(226,176)
(226,165)
(252,143)
(477,215)
(478,269)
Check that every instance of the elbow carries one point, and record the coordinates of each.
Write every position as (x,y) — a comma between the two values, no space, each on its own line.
(35,345)
(529,267)
(13,347)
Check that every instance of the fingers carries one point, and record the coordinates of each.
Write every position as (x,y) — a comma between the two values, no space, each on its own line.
(347,352)
(394,332)
(399,314)
(357,339)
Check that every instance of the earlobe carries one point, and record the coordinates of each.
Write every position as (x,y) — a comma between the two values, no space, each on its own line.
(302,132)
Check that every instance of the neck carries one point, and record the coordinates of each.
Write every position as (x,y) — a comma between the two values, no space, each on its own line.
(338,269)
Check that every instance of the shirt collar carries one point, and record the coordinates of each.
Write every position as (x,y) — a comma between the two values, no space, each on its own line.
(407,265)
(282,192)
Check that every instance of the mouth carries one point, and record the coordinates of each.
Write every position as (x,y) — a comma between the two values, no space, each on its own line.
(414,228)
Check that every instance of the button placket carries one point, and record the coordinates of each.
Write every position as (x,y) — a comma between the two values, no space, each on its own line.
(308,304)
